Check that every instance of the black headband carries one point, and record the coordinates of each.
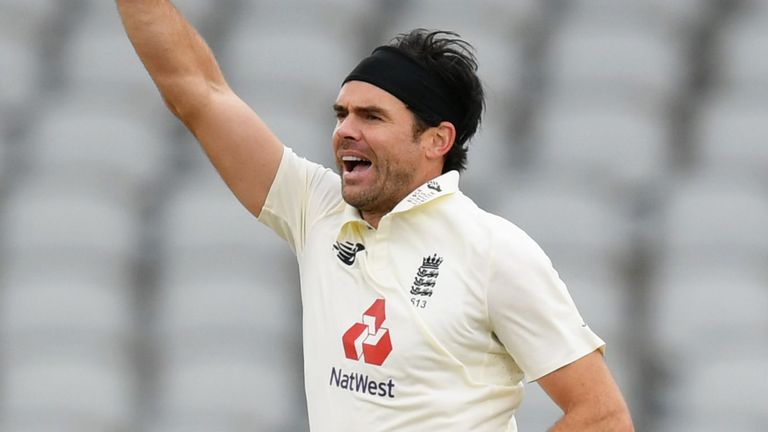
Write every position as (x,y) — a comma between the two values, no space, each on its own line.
(395,72)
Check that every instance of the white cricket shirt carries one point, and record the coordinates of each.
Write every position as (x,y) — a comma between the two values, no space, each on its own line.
(429,323)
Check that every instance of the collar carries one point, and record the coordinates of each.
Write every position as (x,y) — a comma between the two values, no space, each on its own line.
(445,184)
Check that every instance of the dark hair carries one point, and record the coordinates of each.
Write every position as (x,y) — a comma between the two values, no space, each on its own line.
(452,60)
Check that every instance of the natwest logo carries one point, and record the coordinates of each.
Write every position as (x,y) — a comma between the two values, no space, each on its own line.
(368,339)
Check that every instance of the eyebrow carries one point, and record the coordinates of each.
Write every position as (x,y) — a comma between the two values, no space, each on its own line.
(363,110)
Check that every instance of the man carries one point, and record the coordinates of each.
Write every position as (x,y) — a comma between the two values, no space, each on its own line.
(421,311)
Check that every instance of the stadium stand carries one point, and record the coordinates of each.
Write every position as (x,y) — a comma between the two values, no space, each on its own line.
(626,137)
(98,140)
(730,130)
(84,390)
(20,67)
(4,154)
(741,62)
(605,143)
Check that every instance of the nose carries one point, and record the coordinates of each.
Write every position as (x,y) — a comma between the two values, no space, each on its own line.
(347,129)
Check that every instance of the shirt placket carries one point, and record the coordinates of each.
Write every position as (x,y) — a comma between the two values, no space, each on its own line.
(378,258)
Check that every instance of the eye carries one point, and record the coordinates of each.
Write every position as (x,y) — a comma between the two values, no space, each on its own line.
(373,117)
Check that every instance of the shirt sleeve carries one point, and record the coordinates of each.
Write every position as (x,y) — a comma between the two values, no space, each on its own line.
(530,309)
(301,193)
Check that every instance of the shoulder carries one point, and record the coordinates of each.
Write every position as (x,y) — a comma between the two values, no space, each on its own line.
(302,193)
(298,177)
(490,240)
(298,169)
(513,258)
(503,235)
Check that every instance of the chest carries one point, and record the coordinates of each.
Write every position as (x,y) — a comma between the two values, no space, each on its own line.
(428,289)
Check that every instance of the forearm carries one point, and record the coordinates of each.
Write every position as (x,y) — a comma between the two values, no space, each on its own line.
(589,397)
(587,419)
(175,55)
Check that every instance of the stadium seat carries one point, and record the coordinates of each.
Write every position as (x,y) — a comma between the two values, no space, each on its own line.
(192,424)
(741,381)
(674,423)
(492,153)
(51,425)
(569,217)
(85,138)
(712,242)
(71,215)
(105,62)
(312,140)
(284,79)
(87,390)
(97,16)
(234,389)
(21,66)
(243,310)
(5,156)
(336,18)
(715,215)
(729,131)
(738,404)
(639,63)
(603,142)
(70,250)
(203,213)
(495,17)
(680,16)
(222,271)
(502,68)
(706,303)
(741,52)
(55,299)
(99,64)
(27,17)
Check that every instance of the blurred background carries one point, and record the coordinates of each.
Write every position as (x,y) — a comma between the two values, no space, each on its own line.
(629,137)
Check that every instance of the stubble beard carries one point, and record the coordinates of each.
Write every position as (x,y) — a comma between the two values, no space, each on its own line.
(381,197)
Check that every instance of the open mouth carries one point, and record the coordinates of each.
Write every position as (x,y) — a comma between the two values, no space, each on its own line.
(355,164)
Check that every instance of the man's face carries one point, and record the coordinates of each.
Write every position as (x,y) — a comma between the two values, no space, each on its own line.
(379,159)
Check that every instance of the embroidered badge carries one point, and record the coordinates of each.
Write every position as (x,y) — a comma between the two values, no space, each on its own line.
(347,251)
(426,276)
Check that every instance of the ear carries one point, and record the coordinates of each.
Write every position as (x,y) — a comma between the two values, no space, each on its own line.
(440,140)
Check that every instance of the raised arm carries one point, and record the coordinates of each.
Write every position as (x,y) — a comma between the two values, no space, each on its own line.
(241,147)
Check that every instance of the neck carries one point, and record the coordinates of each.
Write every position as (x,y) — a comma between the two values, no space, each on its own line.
(373,215)
(373,218)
